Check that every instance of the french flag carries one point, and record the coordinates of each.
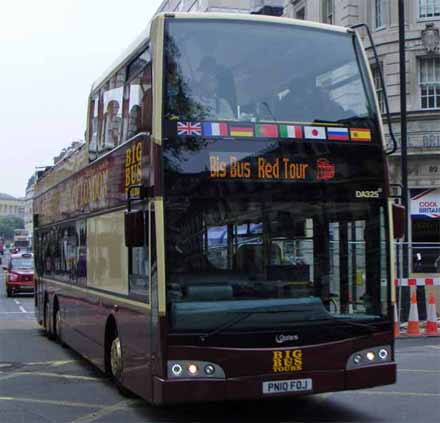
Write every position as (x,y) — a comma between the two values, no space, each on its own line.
(337,134)
(215,129)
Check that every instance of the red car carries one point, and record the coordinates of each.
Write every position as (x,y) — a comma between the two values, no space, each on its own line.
(20,274)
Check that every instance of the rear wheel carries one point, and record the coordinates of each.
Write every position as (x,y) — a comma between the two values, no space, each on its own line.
(57,327)
(9,292)
(47,321)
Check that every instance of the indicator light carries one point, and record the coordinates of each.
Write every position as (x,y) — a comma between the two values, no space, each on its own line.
(209,369)
(176,369)
(371,356)
(193,369)
(383,354)
(357,358)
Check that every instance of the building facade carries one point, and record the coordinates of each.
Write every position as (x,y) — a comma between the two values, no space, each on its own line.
(11,206)
(228,6)
(422,24)
(28,213)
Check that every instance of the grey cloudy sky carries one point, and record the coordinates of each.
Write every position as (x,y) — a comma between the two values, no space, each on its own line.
(51,51)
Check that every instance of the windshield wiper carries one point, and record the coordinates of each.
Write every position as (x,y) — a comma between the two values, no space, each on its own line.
(244,315)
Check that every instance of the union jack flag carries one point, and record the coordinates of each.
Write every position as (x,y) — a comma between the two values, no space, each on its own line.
(189,128)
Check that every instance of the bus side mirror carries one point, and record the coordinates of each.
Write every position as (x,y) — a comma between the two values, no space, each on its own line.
(399,220)
(135,228)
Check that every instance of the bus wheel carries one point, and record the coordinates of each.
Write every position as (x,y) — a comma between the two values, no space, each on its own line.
(57,326)
(8,292)
(117,366)
(47,321)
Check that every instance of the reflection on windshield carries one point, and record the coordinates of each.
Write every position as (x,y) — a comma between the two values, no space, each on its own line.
(262,72)
(246,256)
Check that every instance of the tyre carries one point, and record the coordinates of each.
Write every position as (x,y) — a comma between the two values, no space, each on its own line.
(58,327)
(9,292)
(116,364)
(47,321)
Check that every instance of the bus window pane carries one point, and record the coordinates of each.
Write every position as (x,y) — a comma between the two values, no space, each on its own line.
(258,72)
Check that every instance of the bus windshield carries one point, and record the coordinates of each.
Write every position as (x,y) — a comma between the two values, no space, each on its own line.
(251,71)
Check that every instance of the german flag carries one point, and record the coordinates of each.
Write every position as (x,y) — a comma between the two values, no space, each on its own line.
(360,134)
(241,130)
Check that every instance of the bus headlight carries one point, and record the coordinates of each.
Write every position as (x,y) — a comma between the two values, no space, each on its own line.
(371,356)
(383,354)
(176,369)
(194,370)
(368,357)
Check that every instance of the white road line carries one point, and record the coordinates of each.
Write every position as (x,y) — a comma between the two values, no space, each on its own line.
(16,312)
(22,309)
(17,302)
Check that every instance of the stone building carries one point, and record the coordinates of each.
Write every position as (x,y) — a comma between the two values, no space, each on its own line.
(28,214)
(422,25)
(11,206)
(230,6)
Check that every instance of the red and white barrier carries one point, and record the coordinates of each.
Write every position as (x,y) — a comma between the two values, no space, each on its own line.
(417,282)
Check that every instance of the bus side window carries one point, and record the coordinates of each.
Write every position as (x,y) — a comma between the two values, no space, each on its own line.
(139,113)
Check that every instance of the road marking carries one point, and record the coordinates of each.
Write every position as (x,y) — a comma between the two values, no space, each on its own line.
(22,309)
(396,393)
(46,374)
(54,363)
(436,347)
(17,302)
(51,402)
(104,411)
(5,364)
(16,312)
(418,370)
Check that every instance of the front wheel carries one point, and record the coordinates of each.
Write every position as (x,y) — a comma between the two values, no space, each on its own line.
(117,365)
(9,292)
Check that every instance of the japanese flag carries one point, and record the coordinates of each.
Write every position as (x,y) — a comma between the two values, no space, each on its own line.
(314,132)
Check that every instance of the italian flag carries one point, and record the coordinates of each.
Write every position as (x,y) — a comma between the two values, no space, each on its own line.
(290,131)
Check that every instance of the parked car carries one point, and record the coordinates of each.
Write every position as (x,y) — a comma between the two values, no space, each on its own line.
(19,274)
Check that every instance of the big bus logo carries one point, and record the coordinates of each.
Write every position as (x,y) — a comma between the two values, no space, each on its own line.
(325,170)
(287,361)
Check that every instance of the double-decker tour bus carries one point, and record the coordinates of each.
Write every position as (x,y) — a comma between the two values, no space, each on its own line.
(21,241)
(225,233)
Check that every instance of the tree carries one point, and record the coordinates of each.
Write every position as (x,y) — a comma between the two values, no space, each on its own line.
(8,224)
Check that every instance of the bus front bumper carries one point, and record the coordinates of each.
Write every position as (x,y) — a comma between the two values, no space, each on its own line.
(171,391)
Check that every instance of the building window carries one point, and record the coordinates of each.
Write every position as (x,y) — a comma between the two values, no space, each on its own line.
(380,14)
(429,8)
(429,81)
(378,85)
(300,13)
(328,11)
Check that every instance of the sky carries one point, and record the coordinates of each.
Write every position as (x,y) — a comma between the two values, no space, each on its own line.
(51,51)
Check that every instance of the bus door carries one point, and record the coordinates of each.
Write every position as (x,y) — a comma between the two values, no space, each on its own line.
(137,327)
(351,262)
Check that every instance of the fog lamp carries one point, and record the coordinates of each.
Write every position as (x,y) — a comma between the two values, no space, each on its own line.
(383,354)
(357,358)
(371,356)
(176,369)
(193,369)
(209,369)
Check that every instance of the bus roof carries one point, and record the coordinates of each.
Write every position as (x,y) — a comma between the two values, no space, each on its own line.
(141,41)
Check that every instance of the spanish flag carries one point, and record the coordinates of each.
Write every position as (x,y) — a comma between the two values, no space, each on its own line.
(243,130)
(360,134)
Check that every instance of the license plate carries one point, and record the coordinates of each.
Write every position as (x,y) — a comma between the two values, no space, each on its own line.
(292,385)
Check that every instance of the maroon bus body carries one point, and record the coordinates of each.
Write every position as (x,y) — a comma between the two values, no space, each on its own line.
(147,345)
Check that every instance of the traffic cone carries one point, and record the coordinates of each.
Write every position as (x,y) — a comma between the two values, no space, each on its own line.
(431,323)
(413,320)
(396,322)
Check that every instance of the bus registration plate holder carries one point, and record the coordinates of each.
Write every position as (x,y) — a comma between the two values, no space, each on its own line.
(292,385)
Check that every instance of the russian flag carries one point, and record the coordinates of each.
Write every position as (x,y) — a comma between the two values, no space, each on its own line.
(337,134)
(215,129)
